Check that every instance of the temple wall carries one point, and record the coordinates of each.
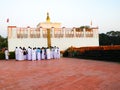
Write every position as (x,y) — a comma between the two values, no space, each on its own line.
(63,43)
(61,37)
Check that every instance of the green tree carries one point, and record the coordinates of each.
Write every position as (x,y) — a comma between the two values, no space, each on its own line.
(3,42)
(104,39)
(113,33)
(86,27)
(110,38)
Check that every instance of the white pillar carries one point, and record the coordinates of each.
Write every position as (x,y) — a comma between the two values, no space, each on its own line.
(95,33)
(28,29)
(63,29)
(84,30)
(41,32)
(74,32)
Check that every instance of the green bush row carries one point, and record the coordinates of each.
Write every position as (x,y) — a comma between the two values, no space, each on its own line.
(108,55)
(11,56)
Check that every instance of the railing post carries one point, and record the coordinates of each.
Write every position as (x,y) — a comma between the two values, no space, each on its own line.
(53,29)
(63,31)
(84,30)
(74,31)
(41,32)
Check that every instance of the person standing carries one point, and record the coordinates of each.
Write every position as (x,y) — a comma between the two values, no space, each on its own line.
(58,53)
(48,53)
(33,54)
(24,53)
(38,54)
(16,53)
(43,53)
(29,56)
(21,57)
(55,52)
(51,52)
(6,54)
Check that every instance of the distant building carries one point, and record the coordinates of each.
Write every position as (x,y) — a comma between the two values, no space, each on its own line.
(60,36)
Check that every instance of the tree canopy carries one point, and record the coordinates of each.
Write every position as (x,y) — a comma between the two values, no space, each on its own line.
(110,38)
(3,42)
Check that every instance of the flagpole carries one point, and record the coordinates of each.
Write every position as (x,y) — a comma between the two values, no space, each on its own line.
(7,31)
(7,26)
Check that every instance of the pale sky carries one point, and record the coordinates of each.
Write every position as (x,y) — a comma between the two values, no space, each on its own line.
(71,13)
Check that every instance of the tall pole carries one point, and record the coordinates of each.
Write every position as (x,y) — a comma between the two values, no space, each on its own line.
(48,38)
(48,31)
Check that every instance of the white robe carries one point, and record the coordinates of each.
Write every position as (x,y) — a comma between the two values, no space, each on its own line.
(43,54)
(25,56)
(21,56)
(6,54)
(29,55)
(55,53)
(48,53)
(38,55)
(58,53)
(34,54)
(51,53)
(16,53)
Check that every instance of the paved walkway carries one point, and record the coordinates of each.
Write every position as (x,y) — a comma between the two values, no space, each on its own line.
(63,74)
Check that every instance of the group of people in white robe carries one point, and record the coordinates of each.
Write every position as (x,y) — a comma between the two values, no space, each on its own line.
(37,53)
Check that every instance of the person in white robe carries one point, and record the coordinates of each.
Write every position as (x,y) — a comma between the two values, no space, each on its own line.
(29,55)
(58,53)
(55,52)
(33,54)
(38,54)
(48,53)
(51,52)
(21,56)
(16,53)
(24,53)
(6,54)
(43,53)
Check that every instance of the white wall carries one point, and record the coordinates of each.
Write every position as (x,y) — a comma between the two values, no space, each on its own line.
(63,43)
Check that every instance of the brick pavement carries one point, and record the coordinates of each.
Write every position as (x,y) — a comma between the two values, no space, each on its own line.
(63,74)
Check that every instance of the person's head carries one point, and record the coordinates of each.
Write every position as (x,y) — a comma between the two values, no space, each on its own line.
(6,49)
(23,48)
(20,47)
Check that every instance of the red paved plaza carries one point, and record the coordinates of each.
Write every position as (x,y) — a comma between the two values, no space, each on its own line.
(63,74)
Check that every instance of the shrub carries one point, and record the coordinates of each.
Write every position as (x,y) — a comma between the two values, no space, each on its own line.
(108,53)
(65,54)
(2,55)
(11,56)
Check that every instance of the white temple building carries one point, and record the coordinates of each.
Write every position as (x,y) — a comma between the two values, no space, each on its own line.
(60,36)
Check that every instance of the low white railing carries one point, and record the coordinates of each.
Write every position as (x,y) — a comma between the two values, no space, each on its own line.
(55,33)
